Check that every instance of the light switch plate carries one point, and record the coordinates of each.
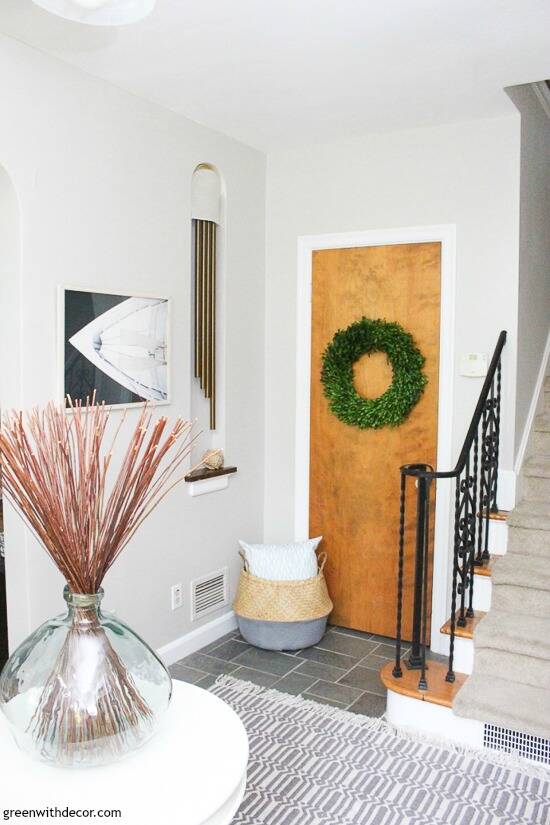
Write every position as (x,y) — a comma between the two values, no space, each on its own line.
(473,364)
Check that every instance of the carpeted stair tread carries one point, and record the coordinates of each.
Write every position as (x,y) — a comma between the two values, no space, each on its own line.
(531,572)
(533,515)
(525,542)
(525,635)
(538,466)
(505,703)
(525,670)
(524,601)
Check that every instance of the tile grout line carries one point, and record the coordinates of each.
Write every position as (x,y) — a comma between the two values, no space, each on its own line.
(299,663)
(349,703)
(235,664)
(306,693)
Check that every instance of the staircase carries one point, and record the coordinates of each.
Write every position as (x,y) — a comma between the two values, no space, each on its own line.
(494,690)
(510,683)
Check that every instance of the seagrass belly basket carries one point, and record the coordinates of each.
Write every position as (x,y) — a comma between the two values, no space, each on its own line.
(282,615)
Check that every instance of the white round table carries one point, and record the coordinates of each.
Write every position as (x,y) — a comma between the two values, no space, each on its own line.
(192,772)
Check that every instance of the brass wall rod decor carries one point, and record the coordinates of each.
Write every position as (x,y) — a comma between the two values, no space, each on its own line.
(205,311)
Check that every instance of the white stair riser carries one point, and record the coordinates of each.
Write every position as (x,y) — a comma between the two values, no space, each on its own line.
(498,537)
(536,487)
(463,653)
(482,593)
(434,720)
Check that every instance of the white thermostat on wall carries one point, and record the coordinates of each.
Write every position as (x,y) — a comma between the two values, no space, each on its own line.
(473,364)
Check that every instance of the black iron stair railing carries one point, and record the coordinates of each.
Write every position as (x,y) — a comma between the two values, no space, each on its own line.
(476,483)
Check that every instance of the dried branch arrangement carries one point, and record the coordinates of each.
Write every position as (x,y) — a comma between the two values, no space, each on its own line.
(57,471)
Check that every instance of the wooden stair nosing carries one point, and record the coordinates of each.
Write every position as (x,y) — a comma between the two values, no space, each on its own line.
(500,515)
(466,632)
(484,570)
(439,691)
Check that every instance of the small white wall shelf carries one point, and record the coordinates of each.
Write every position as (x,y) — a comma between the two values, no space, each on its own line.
(203,481)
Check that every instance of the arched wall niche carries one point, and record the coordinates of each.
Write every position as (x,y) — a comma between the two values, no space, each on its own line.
(206,193)
(10,397)
(208,217)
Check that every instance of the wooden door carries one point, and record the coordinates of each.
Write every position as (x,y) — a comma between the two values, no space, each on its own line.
(354,474)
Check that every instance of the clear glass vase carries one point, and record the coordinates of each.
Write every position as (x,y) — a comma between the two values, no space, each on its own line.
(83,689)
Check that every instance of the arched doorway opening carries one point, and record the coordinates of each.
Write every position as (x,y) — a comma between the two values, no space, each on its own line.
(10,366)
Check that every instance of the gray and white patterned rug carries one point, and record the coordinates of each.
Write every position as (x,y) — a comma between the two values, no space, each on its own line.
(312,764)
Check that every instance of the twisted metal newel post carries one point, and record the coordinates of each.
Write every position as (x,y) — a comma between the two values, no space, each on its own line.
(423,684)
(397,671)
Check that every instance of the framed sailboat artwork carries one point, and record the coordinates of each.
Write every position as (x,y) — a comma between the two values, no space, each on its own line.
(115,345)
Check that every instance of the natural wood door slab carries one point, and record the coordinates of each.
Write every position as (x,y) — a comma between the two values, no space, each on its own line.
(354,474)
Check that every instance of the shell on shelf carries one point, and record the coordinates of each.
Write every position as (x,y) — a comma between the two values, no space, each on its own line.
(213,459)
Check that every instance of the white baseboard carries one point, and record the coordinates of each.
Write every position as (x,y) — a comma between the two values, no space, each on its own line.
(532,408)
(196,639)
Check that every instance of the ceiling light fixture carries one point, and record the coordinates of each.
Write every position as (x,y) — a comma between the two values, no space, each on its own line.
(99,12)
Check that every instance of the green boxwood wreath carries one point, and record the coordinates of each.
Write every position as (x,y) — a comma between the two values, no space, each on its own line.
(348,345)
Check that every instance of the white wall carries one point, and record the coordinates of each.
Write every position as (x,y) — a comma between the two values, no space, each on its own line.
(103,182)
(534,246)
(463,174)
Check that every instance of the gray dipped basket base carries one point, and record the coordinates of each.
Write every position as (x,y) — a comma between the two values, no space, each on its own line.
(282,635)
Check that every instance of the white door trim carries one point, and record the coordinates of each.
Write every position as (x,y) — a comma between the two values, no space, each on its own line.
(307,244)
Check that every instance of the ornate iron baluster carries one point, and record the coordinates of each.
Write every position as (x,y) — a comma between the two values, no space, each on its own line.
(490,489)
(485,484)
(450,677)
(474,523)
(481,521)
(494,506)
(466,538)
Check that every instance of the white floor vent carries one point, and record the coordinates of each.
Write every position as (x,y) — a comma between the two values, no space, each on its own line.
(209,593)
(522,744)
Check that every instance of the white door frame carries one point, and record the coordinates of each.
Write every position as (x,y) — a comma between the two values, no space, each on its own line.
(307,244)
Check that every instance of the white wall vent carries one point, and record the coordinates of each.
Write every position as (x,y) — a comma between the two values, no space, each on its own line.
(209,593)
(512,741)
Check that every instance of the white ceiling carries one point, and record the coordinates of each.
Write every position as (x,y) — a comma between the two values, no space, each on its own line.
(284,72)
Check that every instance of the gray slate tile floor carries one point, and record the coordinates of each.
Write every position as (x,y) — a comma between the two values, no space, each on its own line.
(342,670)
